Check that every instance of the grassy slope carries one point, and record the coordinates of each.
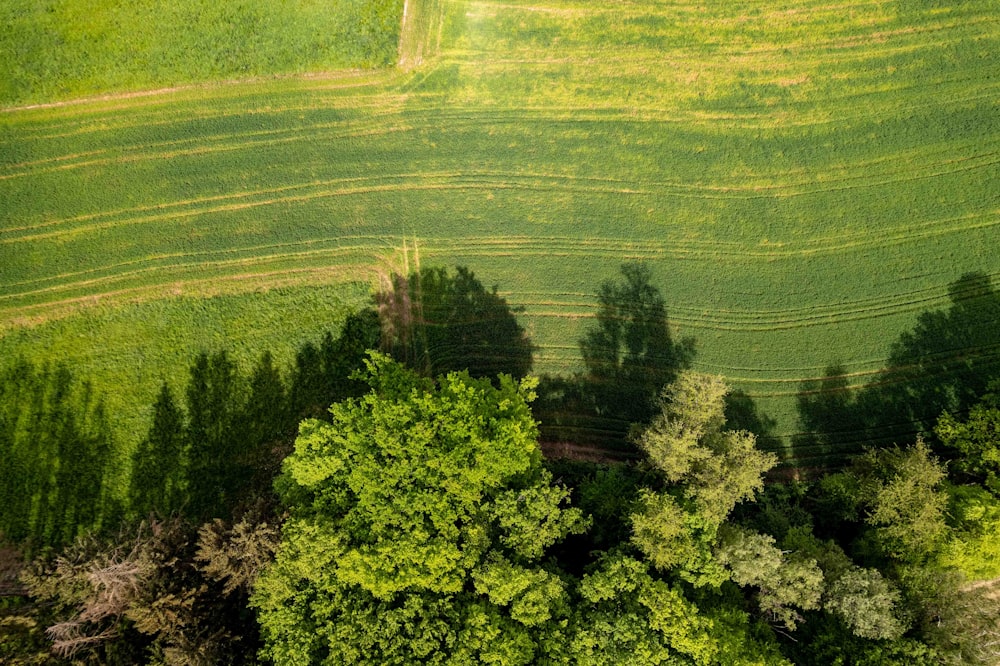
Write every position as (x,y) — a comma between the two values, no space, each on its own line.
(803,178)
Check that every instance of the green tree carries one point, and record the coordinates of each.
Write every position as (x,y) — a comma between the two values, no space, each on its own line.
(865,601)
(903,501)
(784,581)
(977,439)
(973,544)
(628,615)
(714,468)
(420,518)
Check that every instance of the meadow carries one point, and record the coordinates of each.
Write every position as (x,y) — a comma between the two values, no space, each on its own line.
(803,178)
(62,49)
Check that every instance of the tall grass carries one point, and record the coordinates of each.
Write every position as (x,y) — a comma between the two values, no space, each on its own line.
(58,49)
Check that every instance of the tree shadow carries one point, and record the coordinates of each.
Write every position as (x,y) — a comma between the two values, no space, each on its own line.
(436,323)
(742,413)
(56,446)
(944,364)
(629,355)
(216,454)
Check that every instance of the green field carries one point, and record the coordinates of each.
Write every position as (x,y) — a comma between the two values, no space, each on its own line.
(802,177)
(61,49)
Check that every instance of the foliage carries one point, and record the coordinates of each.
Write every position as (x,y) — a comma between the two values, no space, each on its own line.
(903,502)
(960,620)
(976,438)
(145,596)
(419,516)
(236,555)
(831,643)
(709,470)
(973,543)
(687,443)
(865,602)
(784,582)
(633,618)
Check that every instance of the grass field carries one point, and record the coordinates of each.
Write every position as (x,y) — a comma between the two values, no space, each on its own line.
(803,178)
(60,49)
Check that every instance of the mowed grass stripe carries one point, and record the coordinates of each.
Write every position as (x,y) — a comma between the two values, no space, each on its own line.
(510,246)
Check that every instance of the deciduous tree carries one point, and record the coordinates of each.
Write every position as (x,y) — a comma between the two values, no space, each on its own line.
(420,517)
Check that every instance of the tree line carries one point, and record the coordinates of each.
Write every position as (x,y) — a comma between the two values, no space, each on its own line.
(416,521)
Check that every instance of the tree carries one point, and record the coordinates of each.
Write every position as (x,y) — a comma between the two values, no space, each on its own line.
(687,442)
(419,521)
(708,471)
(154,594)
(865,602)
(904,503)
(977,439)
(784,581)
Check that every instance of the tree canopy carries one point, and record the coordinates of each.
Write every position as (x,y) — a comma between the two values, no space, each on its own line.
(420,516)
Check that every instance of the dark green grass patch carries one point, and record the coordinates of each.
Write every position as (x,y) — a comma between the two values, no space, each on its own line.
(58,49)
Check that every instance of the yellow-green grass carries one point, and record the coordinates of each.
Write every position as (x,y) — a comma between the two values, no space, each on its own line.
(61,49)
(803,178)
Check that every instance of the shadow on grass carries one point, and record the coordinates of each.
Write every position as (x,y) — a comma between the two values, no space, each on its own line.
(944,364)
(629,357)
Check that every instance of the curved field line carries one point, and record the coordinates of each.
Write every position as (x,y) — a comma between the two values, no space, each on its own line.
(375,130)
(116,121)
(372,119)
(370,243)
(114,102)
(608,186)
(199,265)
(345,273)
(925,294)
(623,113)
